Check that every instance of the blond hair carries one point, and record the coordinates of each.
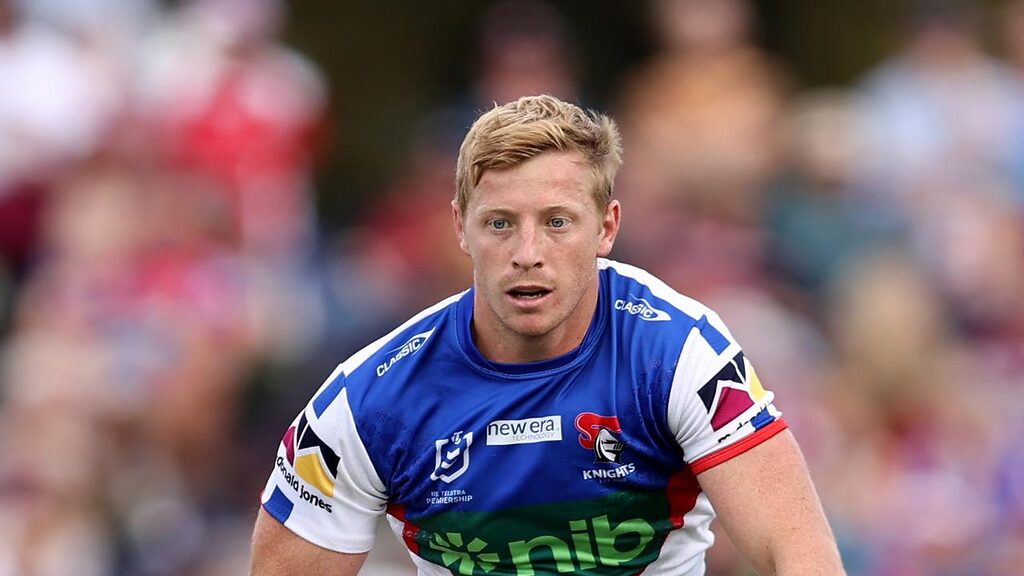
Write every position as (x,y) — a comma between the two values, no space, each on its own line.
(508,135)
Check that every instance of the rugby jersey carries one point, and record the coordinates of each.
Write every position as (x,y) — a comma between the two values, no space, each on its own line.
(585,463)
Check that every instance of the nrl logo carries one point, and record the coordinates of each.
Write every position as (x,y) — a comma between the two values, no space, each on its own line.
(452,457)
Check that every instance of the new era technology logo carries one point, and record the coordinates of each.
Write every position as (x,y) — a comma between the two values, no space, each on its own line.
(525,431)
(642,309)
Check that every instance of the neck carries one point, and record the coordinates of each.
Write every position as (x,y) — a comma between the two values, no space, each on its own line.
(518,349)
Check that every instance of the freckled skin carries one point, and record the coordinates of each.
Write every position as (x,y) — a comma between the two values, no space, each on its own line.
(535,227)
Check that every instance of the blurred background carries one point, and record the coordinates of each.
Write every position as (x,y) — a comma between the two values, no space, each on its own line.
(205,205)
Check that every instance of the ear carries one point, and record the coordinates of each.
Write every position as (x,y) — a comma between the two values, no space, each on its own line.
(460,229)
(609,228)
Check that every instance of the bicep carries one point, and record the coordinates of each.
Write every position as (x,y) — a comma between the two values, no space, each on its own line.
(276,550)
(767,504)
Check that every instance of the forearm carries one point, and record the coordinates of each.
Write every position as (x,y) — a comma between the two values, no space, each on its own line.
(801,554)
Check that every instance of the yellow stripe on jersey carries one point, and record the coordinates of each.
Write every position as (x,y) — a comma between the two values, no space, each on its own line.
(311,470)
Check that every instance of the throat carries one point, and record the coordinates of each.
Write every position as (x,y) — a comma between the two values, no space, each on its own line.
(511,348)
(509,342)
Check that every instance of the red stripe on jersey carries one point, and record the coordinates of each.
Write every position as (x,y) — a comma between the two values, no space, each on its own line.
(683,490)
(729,452)
(409,530)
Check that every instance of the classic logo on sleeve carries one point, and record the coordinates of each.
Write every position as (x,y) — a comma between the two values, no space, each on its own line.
(311,458)
(411,346)
(734,390)
(642,309)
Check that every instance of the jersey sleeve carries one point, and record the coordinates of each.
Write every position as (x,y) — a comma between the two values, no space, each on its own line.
(323,486)
(718,408)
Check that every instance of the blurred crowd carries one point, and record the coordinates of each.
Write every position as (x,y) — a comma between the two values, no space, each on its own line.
(169,297)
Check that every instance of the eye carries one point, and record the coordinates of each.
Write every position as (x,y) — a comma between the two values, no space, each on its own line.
(558,222)
(498,224)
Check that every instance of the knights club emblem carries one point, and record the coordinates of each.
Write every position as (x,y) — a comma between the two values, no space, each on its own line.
(599,433)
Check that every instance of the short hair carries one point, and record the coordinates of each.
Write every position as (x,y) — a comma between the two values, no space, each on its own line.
(515,132)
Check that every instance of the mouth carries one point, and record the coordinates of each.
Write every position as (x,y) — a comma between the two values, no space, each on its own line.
(527,294)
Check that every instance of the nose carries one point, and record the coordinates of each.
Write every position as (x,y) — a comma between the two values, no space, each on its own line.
(528,251)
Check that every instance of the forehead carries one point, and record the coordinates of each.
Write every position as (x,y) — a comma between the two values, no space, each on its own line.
(550,177)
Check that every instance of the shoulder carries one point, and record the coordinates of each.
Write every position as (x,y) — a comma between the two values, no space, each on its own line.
(383,366)
(646,307)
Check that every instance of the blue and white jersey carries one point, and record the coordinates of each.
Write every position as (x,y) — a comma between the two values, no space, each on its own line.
(584,463)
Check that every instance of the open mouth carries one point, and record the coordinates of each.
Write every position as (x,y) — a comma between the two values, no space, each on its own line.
(528,293)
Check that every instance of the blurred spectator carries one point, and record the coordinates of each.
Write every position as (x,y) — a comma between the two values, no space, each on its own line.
(162,269)
(227,100)
(946,138)
(814,228)
(941,111)
(700,122)
(51,491)
(224,99)
(525,49)
(920,447)
(58,98)
(133,327)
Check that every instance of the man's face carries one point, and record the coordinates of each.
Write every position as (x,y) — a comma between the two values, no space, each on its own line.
(534,232)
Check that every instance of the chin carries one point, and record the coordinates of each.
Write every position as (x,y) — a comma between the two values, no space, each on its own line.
(532,328)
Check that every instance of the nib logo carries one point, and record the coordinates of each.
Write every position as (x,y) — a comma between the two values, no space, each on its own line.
(468,558)
(579,547)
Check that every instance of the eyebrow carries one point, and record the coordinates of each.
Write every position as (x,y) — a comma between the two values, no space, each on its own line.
(484,210)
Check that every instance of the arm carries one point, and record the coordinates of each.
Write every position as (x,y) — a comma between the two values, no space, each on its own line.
(323,498)
(277,551)
(767,504)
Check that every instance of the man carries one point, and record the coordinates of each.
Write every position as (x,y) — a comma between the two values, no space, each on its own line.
(567,414)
